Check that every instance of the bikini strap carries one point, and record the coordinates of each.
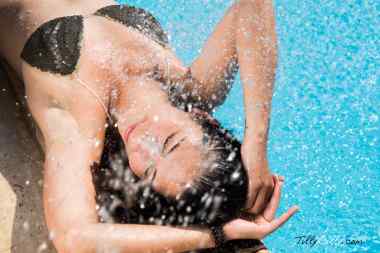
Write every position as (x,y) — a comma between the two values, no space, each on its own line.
(110,117)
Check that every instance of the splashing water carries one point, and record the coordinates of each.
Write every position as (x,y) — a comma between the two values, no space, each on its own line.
(324,133)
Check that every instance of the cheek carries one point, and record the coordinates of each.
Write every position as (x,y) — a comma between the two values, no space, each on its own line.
(132,144)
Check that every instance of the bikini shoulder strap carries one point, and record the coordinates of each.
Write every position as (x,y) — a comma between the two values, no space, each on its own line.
(110,117)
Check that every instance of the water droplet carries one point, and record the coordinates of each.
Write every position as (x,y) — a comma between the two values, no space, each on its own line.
(373,118)
(26,225)
(42,247)
(235,175)
(51,235)
(231,156)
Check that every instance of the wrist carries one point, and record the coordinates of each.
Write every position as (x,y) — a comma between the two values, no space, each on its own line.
(254,155)
(256,137)
(256,131)
(218,235)
(229,232)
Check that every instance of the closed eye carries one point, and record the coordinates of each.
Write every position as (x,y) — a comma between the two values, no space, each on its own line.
(166,142)
(175,146)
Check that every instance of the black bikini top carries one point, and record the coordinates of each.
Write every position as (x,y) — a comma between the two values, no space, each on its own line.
(137,18)
(55,45)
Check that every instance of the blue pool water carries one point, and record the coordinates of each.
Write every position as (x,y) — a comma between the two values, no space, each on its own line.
(325,126)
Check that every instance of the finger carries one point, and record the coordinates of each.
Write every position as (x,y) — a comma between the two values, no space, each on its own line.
(269,191)
(251,196)
(260,203)
(264,196)
(255,195)
(276,223)
(271,208)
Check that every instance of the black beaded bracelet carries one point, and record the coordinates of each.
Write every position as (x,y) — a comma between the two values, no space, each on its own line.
(218,234)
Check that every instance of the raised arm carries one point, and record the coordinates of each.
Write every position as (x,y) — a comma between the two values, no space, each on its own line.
(244,38)
(214,69)
(246,35)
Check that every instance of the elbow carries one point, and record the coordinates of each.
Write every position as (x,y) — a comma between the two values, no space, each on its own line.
(69,241)
(75,243)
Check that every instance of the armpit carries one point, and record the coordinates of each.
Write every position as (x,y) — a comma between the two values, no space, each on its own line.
(187,92)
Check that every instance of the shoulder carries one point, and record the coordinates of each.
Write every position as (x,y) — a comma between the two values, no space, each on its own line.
(9,3)
(62,107)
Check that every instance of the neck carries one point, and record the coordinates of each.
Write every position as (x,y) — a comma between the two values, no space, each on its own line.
(138,99)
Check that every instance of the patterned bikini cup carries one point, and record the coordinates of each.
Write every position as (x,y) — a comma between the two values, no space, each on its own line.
(55,46)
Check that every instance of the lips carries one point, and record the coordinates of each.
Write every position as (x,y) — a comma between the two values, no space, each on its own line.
(130,129)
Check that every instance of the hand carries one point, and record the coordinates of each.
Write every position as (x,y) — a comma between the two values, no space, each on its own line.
(263,224)
(261,184)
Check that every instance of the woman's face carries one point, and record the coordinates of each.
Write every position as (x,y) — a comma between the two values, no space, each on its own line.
(169,142)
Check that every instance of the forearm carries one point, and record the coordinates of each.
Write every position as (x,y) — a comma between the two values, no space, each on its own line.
(257,56)
(136,238)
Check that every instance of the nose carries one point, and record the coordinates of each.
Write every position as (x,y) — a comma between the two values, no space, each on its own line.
(150,147)
(148,157)
(141,160)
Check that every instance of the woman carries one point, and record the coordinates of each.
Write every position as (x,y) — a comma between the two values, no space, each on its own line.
(109,62)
